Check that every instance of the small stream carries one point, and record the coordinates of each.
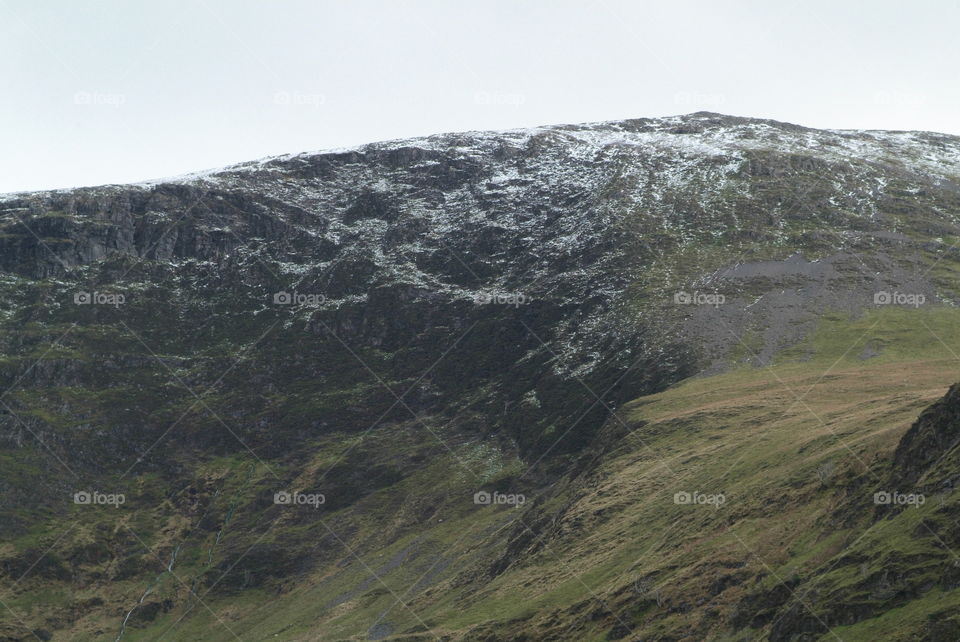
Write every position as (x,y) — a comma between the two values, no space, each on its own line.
(176,551)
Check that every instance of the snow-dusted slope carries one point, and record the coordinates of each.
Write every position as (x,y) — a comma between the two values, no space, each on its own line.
(572,216)
(489,296)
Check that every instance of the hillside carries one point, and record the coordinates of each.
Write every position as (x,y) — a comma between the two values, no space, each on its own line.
(686,353)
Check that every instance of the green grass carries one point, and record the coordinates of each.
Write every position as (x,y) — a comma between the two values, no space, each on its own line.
(900,624)
(743,433)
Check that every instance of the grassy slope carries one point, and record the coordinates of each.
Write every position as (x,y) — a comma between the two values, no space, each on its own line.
(745,434)
(784,444)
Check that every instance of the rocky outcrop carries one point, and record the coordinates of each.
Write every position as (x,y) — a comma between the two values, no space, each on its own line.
(928,449)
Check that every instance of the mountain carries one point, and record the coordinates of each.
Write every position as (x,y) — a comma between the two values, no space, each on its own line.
(653,379)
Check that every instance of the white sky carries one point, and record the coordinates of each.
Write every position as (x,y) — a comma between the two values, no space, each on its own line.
(117,91)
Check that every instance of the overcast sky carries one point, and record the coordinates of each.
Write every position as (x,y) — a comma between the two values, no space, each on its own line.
(118,91)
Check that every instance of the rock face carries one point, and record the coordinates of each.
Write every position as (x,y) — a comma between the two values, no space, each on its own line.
(564,248)
(927,452)
(497,291)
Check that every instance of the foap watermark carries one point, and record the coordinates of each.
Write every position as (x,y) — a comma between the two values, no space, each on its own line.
(298,299)
(499,98)
(697,98)
(895,498)
(696,498)
(286,498)
(99,298)
(298,99)
(899,99)
(699,298)
(486,498)
(899,298)
(96,498)
(97,98)
(515,299)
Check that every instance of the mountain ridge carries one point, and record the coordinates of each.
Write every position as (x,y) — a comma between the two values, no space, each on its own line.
(599,320)
(407,141)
